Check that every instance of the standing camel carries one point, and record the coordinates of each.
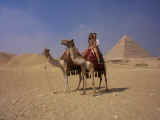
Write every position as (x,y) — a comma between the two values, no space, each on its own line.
(64,64)
(79,60)
(60,63)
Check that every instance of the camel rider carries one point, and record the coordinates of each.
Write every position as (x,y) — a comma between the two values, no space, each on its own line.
(92,53)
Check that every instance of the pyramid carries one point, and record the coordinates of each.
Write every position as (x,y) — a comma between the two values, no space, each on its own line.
(126,48)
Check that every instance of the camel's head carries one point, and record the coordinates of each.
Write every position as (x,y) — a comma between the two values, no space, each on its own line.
(92,35)
(67,43)
(46,52)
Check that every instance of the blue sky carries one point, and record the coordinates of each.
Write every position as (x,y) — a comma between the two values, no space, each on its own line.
(29,26)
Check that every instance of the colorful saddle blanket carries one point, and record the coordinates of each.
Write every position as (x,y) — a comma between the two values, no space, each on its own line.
(90,55)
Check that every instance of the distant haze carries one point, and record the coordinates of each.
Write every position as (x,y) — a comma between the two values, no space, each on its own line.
(30,26)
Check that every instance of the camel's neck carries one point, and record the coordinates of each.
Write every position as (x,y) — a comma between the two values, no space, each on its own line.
(73,52)
(53,61)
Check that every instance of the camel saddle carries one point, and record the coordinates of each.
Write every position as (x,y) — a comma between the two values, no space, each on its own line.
(89,55)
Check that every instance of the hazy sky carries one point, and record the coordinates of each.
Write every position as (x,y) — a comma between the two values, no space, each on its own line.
(31,25)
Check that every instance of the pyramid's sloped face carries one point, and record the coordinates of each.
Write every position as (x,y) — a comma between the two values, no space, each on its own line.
(133,50)
(126,48)
(117,52)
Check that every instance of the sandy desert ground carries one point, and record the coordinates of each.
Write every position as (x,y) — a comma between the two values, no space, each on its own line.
(27,93)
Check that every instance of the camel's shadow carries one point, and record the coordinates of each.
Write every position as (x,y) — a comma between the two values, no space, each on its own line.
(112,90)
(102,91)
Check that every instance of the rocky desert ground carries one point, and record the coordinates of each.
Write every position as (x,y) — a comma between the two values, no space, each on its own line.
(32,89)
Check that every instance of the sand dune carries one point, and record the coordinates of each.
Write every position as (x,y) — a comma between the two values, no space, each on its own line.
(30,61)
(5,57)
(27,60)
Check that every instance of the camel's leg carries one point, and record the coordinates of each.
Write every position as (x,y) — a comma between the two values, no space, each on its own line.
(64,69)
(80,79)
(66,83)
(100,81)
(84,84)
(93,84)
(105,78)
